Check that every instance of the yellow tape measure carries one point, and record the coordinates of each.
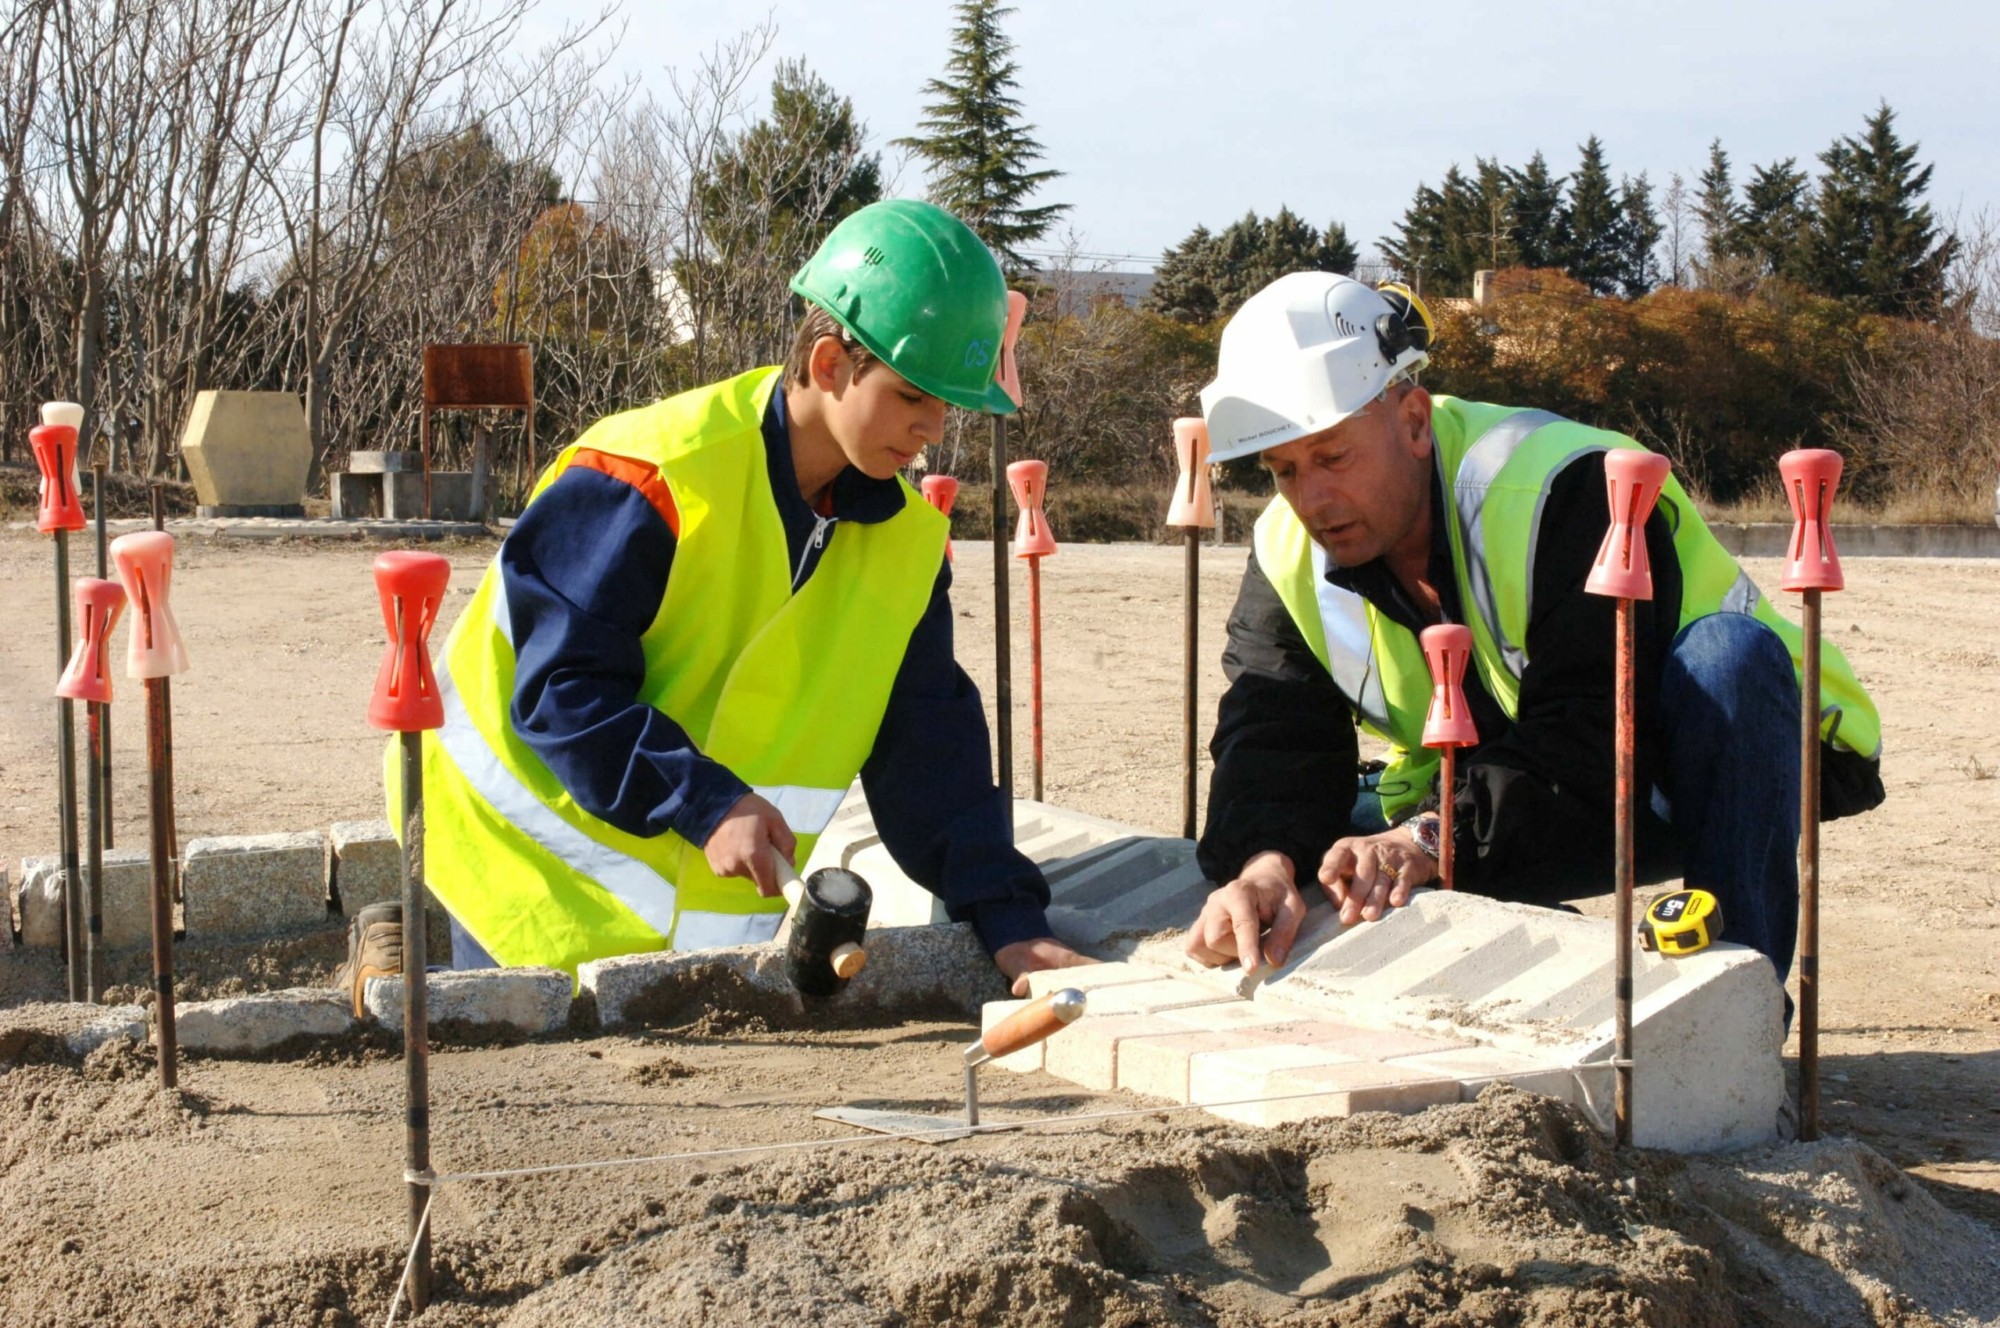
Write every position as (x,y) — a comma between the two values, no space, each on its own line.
(1681,923)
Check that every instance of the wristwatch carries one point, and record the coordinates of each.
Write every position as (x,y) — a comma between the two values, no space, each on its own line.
(1425,831)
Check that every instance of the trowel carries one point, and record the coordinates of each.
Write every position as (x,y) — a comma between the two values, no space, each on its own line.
(1032,1023)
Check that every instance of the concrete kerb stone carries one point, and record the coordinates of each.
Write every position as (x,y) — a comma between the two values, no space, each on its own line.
(263,1023)
(126,899)
(364,864)
(908,968)
(80,1028)
(522,1002)
(254,885)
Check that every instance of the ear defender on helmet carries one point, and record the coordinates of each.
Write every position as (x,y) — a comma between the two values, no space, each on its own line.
(1407,326)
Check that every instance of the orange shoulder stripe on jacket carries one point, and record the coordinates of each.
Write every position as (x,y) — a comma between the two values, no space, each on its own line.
(646,479)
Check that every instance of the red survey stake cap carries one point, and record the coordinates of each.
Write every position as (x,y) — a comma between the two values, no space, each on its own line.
(1632,482)
(412,586)
(1811,475)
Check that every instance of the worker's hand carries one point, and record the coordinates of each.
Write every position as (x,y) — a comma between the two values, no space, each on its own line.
(1021,958)
(1367,875)
(1232,922)
(748,841)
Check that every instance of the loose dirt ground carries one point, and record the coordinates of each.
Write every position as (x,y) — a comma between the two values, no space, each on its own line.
(268,1193)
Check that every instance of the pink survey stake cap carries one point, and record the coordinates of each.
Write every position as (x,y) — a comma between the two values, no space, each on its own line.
(61,507)
(1811,475)
(88,676)
(1194,504)
(412,588)
(146,569)
(941,491)
(1447,649)
(1008,373)
(1632,481)
(1030,480)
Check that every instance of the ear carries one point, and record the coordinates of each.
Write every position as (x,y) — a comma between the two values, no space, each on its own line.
(1413,417)
(828,366)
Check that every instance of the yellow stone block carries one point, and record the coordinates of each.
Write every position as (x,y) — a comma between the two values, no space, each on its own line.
(247,449)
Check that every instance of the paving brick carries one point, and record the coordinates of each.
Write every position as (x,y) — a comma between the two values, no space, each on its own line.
(253,885)
(1232,1016)
(524,1001)
(255,1025)
(364,864)
(1246,1071)
(1089,977)
(1343,1089)
(1158,1066)
(1354,1042)
(1475,1068)
(1149,997)
(1086,1053)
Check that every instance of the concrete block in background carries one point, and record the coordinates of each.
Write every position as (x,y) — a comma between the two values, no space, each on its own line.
(527,1002)
(355,496)
(126,899)
(363,462)
(403,496)
(257,1024)
(364,864)
(247,449)
(253,885)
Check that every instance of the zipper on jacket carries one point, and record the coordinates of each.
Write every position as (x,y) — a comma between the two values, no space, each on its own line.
(817,540)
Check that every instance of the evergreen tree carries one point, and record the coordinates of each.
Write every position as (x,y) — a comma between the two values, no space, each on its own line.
(1871,239)
(1540,234)
(1716,206)
(1639,233)
(1492,233)
(1443,236)
(1773,229)
(1595,253)
(977,151)
(1208,276)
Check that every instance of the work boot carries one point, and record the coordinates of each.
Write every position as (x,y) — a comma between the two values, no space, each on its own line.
(374,950)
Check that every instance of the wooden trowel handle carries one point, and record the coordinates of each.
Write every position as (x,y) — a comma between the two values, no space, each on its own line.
(1028,1025)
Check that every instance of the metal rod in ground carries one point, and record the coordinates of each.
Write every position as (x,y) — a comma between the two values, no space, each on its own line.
(1003,646)
(1190,663)
(72,890)
(416,1019)
(159,764)
(158,499)
(1035,651)
(97,474)
(93,975)
(1622,852)
(1809,871)
(1447,855)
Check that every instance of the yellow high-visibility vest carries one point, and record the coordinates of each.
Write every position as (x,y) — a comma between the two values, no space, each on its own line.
(1497,464)
(786,690)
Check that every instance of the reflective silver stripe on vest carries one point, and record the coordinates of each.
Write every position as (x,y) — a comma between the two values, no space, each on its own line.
(630,881)
(1742,597)
(806,810)
(702,930)
(1350,648)
(1481,465)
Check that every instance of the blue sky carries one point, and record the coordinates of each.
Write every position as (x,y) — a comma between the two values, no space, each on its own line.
(1168,113)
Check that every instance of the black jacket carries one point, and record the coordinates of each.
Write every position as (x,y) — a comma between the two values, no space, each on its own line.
(1533,799)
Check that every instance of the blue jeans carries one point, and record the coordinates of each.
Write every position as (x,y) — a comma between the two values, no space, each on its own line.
(466,952)
(1728,801)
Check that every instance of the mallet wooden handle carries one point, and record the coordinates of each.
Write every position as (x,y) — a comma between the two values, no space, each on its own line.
(1026,1026)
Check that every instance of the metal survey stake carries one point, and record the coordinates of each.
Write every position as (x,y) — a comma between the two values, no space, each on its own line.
(1632,481)
(1033,542)
(406,702)
(59,512)
(1008,376)
(1448,727)
(88,679)
(1193,510)
(1811,475)
(154,651)
(102,733)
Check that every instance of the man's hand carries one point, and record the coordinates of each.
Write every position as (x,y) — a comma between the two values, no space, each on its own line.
(748,841)
(1369,874)
(1021,958)
(1236,915)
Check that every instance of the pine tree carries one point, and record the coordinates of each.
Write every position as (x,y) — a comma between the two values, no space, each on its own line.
(1871,239)
(1594,254)
(1716,206)
(977,150)
(1208,276)
(1492,233)
(1773,230)
(1639,233)
(1442,238)
(1184,283)
(1540,234)
(1416,250)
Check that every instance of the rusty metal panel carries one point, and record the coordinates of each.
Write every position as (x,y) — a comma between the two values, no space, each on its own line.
(478,377)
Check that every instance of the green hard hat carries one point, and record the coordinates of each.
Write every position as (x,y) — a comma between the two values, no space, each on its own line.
(914,285)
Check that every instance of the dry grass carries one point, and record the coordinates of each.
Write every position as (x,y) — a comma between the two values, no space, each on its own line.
(1915,507)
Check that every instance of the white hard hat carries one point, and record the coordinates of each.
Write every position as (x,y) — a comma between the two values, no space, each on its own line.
(1303,354)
